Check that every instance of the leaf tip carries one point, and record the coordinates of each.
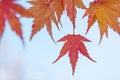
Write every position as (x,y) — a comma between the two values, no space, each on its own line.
(100,40)
(55,61)
(31,37)
(53,39)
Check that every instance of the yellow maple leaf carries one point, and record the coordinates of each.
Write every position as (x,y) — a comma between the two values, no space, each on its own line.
(106,13)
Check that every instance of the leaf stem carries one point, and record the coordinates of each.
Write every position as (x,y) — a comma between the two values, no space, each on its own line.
(73,19)
(73,31)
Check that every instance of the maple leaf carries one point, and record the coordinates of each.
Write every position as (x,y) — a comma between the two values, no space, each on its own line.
(71,8)
(49,11)
(45,15)
(8,11)
(73,45)
(106,13)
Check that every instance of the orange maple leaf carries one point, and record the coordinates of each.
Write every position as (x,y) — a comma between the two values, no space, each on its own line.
(49,11)
(45,15)
(8,11)
(73,45)
(106,13)
(71,8)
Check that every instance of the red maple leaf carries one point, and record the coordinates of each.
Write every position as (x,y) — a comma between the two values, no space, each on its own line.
(73,45)
(8,12)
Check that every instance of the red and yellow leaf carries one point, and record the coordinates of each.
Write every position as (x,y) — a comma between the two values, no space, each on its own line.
(8,11)
(73,45)
(106,13)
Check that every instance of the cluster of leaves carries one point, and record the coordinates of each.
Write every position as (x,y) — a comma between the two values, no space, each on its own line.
(46,12)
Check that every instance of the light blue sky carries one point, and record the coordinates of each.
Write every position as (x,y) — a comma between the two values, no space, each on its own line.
(35,60)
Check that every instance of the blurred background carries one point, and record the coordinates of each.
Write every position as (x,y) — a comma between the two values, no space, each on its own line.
(34,61)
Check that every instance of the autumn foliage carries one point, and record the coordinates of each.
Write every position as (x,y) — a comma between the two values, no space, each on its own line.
(74,45)
(8,12)
(46,12)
